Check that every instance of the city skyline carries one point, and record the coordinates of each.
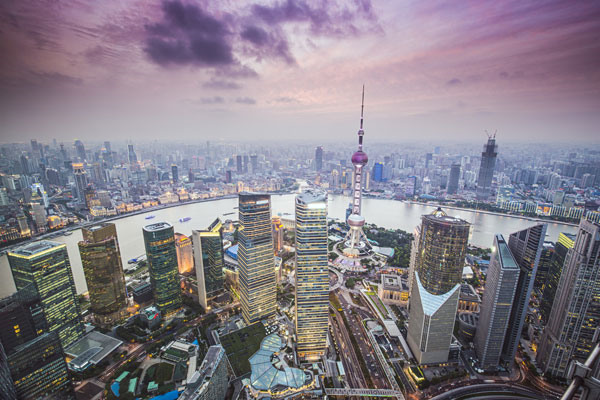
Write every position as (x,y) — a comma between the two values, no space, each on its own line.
(188,69)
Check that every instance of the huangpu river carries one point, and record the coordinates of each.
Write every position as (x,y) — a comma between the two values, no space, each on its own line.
(386,213)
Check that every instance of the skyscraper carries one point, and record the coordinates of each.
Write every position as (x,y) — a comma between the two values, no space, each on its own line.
(80,182)
(174,173)
(159,239)
(103,269)
(256,259)
(185,253)
(356,237)
(453,179)
(44,268)
(565,242)
(208,254)
(7,388)
(494,317)
(436,274)
(575,315)
(277,234)
(211,380)
(80,150)
(312,275)
(131,154)
(486,169)
(526,247)
(319,159)
(238,163)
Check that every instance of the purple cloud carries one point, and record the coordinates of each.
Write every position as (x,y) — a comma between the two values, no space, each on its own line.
(187,35)
(221,84)
(245,100)
(454,82)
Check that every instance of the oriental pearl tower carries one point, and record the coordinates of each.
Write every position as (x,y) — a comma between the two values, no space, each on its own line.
(356,239)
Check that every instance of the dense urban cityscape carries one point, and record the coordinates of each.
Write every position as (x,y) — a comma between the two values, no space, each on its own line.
(157,245)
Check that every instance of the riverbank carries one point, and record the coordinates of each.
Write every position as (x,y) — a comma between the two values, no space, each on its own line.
(500,214)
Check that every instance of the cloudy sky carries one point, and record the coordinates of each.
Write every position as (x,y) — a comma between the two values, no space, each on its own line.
(284,69)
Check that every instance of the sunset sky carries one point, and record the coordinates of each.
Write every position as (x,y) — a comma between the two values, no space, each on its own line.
(198,70)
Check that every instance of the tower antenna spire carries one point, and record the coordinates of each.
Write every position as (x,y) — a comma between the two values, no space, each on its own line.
(362,107)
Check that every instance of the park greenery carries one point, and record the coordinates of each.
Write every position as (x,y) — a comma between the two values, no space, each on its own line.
(397,239)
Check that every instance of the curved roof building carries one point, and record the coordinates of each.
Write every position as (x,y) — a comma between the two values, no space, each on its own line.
(271,373)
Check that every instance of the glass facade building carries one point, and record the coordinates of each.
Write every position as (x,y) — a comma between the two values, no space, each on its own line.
(312,276)
(575,314)
(486,168)
(7,389)
(103,269)
(185,257)
(161,254)
(43,267)
(211,380)
(565,242)
(258,289)
(526,247)
(208,253)
(500,287)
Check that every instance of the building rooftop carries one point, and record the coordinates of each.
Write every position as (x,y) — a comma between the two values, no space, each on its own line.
(440,215)
(311,197)
(201,378)
(34,248)
(431,302)
(91,349)
(505,256)
(158,226)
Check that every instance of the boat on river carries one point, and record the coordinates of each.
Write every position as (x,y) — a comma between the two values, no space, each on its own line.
(186,219)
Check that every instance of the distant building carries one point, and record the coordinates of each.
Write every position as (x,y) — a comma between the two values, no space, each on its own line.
(185,254)
(500,287)
(277,227)
(378,172)
(210,263)
(80,150)
(103,269)
(211,380)
(162,266)
(486,169)
(46,265)
(575,316)
(312,276)
(174,173)
(131,154)
(80,182)
(256,260)
(319,159)
(453,178)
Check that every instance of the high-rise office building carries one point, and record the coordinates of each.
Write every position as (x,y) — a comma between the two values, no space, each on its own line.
(255,257)
(575,315)
(565,242)
(486,169)
(174,173)
(238,163)
(210,381)
(131,154)
(185,253)
(319,159)
(254,163)
(44,268)
(438,262)
(378,172)
(80,150)
(277,234)
(209,260)
(159,239)
(312,275)
(453,178)
(526,247)
(103,269)
(431,322)
(494,317)
(80,182)
(7,388)
(544,266)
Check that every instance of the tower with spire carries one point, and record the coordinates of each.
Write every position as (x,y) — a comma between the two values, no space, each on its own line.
(356,239)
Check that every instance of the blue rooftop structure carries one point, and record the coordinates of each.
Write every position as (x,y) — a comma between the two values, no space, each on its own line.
(232,252)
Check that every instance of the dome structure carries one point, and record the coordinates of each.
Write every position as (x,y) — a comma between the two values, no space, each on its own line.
(360,158)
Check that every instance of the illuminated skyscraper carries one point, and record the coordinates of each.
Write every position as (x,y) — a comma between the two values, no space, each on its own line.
(575,315)
(494,318)
(256,260)
(565,242)
(312,275)
(185,254)
(486,169)
(436,274)
(526,247)
(356,239)
(277,234)
(162,265)
(174,173)
(80,182)
(103,269)
(208,254)
(44,268)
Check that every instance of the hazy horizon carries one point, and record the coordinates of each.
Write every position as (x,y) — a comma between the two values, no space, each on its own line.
(293,70)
